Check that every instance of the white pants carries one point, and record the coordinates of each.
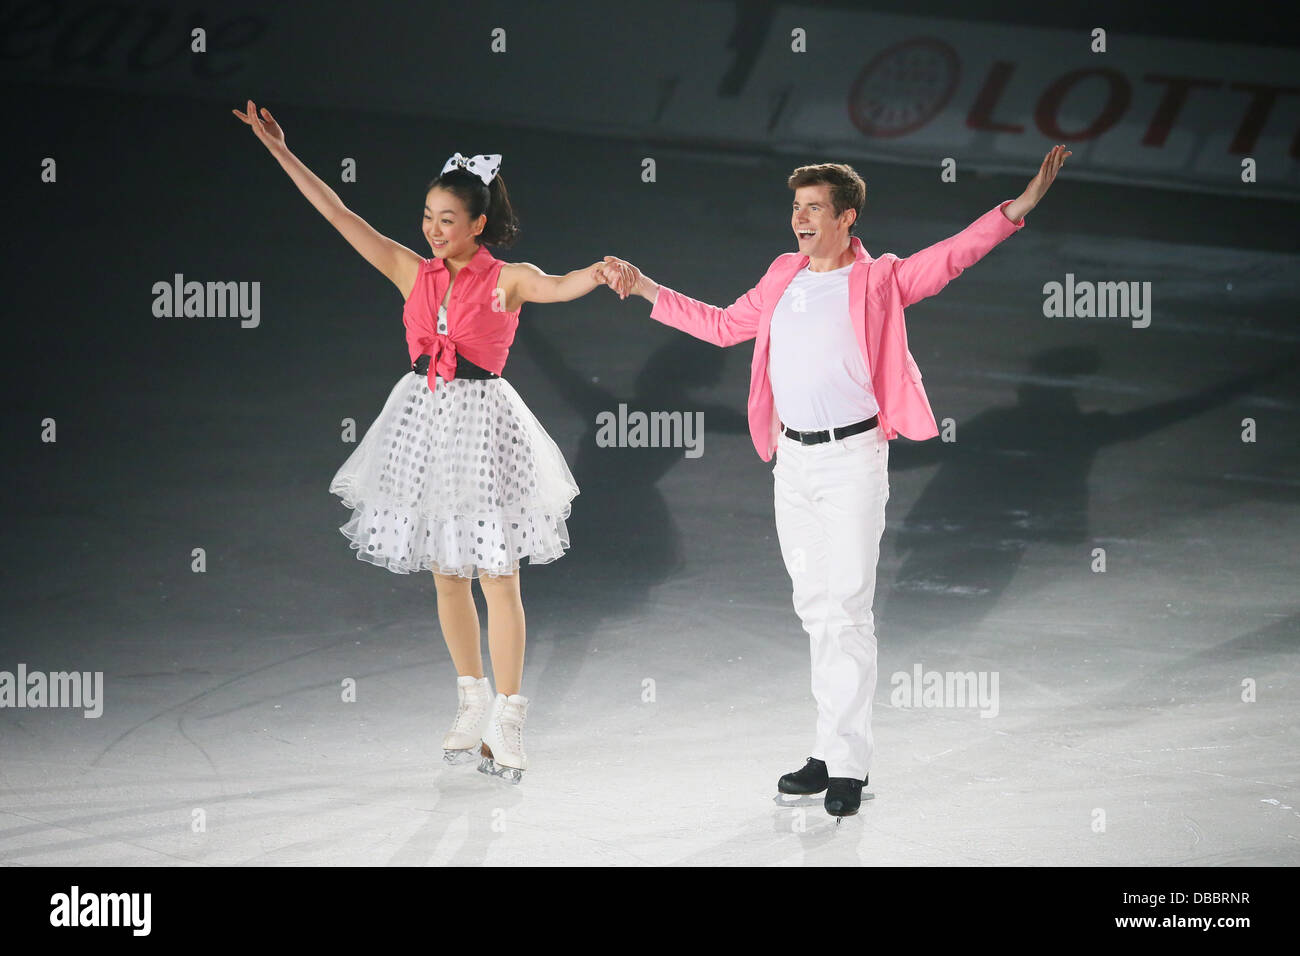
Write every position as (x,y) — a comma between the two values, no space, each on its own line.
(830,515)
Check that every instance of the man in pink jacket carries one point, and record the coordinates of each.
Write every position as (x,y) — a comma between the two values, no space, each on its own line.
(831,383)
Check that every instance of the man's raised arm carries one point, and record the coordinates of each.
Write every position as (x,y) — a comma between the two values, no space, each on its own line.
(924,273)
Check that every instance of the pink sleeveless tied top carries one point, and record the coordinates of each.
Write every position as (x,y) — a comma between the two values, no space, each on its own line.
(476,327)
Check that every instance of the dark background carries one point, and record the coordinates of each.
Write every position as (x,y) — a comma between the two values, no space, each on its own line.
(183,433)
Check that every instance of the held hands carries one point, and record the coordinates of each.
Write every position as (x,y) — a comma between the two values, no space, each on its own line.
(621,276)
(265,126)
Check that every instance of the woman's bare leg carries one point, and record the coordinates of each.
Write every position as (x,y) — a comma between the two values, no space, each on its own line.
(459,619)
(505,630)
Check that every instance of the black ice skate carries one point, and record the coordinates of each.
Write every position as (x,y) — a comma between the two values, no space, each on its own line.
(810,779)
(844,796)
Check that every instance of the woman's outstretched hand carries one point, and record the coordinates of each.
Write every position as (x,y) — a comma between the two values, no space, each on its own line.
(265,126)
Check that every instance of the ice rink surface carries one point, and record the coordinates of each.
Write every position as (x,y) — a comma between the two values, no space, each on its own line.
(667,670)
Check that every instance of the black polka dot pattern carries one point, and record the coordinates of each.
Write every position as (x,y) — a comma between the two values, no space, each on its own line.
(485,167)
(462,480)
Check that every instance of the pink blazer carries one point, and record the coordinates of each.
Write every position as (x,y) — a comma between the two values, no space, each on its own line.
(879,290)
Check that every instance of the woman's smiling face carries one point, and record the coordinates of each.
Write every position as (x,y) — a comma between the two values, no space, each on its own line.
(447,226)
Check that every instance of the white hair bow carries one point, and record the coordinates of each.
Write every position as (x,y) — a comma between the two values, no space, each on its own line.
(484,167)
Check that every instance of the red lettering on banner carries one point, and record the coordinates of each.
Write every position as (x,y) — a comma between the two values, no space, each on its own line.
(1171,104)
(1256,114)
(1121,93)
(1119,97)
(981,111)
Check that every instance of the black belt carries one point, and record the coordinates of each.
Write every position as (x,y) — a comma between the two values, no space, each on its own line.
(816,438)
(464,368)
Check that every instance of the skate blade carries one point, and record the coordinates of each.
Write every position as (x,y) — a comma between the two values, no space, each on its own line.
(799,799)
(493,769)
(489,766)
(459,756)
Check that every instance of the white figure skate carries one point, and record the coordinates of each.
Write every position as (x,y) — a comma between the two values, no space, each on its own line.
(461,743)
(503,741)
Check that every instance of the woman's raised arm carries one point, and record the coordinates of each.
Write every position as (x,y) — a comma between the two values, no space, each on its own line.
(393,259)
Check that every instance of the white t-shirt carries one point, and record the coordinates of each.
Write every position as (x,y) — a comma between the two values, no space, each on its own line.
(819,379)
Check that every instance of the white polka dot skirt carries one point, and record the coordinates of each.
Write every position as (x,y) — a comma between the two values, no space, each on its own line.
(462,480)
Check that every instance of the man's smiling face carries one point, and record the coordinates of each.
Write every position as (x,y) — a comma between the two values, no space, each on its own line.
(820,233)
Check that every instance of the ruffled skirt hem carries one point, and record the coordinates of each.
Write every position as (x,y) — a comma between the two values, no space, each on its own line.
(463,482)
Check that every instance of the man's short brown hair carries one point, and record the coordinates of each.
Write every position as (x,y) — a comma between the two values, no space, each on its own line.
(848,191)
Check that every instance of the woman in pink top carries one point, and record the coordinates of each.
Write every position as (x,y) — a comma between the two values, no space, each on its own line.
(456,475)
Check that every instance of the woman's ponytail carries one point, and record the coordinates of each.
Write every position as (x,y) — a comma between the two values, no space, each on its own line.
(502,227)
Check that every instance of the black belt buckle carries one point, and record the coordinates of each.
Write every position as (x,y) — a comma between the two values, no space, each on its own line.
(844,431)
